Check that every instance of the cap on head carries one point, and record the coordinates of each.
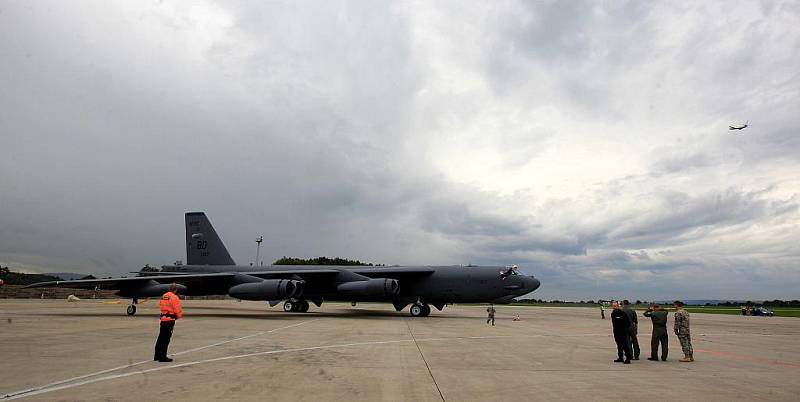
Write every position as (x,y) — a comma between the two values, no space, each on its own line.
(678,303)
(626,302)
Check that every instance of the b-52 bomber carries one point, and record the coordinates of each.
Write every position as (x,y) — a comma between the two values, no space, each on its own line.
(742,127)
(210,270)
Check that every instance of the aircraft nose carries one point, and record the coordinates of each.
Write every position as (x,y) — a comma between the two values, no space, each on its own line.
(532,284)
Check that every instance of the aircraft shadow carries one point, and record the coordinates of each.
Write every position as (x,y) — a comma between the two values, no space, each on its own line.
(266,314)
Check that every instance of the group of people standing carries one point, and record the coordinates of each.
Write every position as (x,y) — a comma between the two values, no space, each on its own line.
(626,327)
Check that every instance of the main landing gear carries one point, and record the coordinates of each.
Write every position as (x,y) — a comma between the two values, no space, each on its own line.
(132,307)
(420,310)
(295,306)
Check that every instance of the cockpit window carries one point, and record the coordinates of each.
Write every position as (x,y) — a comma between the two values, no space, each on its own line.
(510,270)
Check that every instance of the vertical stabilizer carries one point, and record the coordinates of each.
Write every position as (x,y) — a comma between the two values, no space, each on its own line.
(203,246)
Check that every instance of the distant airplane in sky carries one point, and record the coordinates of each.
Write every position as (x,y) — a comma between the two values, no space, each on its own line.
(210,270)
(739,127)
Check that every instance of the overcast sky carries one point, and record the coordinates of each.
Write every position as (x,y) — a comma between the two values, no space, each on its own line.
(587,142)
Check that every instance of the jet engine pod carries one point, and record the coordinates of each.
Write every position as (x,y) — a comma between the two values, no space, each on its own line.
(370,287)
(150,289)
(268,289)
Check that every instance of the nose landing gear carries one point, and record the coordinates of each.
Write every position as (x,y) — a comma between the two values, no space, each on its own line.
(295,306)
(420,310)
(132,307)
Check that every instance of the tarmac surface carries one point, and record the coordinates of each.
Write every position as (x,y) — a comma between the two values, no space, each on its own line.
(228,350)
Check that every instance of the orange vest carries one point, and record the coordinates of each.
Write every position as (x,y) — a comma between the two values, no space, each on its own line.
(170,306)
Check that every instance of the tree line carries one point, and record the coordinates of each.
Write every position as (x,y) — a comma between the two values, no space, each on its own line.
(18,278)
(10,277)
(321,261)
(766,303)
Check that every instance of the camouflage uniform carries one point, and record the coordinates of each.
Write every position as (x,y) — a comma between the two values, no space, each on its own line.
(682,330)
(491,312)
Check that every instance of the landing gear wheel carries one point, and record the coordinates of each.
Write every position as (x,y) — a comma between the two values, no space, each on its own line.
(289,306)
(131,309)
(303,307)
(426,310)
(416,310)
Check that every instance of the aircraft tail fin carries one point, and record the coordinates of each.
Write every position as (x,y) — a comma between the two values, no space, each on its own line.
(203,245)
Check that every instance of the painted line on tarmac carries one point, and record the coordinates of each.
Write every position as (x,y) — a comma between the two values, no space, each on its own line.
(44,390)
(424,360)
(242,338)
(33,391)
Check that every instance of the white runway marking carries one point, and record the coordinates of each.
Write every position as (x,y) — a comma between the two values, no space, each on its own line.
(32,391)
(54,387)
(241,338)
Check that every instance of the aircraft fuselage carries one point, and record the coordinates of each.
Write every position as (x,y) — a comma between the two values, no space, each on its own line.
(445,284)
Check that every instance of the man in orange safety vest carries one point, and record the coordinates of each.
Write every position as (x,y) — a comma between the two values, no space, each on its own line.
(171,310)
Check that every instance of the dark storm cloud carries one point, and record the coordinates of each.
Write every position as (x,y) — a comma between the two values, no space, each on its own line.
(456,218)
(680,217)
(291,142)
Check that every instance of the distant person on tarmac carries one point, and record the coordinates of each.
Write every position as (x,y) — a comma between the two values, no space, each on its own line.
(659,318)
(633,330)
(171,310)
(682,330)
(621,325)
(490,310)
(602,311)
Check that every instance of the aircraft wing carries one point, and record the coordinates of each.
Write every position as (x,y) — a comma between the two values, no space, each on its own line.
(286,273)
(399,273)
(117,283)
(371,272)
(309,275)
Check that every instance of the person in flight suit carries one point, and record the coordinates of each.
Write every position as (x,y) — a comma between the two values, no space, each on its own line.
(491,312)
(659,318)
(171,310)
(682,330)
(621,323)
(634,328)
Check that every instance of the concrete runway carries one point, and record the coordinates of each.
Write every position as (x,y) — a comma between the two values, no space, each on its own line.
(90,350)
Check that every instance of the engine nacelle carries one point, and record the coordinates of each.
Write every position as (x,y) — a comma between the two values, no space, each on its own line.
(150,289)
(370,287)
(268,289)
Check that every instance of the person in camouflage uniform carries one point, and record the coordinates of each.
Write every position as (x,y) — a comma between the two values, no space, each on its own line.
(682,330)
(491,312)
(659,318)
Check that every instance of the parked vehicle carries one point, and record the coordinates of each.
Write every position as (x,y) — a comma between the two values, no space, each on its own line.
(762,312)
